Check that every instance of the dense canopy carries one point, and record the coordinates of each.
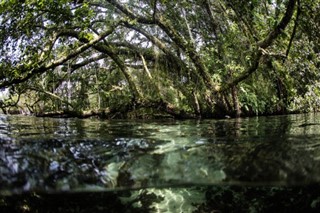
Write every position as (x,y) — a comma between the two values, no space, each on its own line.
(186,58)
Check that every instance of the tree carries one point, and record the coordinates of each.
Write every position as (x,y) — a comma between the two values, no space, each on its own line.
(193,58)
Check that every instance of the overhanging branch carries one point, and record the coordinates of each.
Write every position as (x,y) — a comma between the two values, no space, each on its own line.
(265,43)
(262,45)
(43,68)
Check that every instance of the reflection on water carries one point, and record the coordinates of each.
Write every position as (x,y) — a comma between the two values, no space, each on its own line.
(47,155)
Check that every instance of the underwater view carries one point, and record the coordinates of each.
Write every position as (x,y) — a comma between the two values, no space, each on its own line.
(258,164)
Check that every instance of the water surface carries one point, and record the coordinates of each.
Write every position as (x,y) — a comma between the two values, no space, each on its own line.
(52,156)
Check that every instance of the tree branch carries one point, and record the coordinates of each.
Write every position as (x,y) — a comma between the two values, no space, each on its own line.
(86,62)
(52,95)
(157,42)
(38,69)
(190,51)
(294,29)
(259,50)
(280,27)
(186,46)
(108,50)
(130,14)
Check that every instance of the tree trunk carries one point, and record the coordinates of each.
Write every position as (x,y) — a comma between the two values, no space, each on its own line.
(236,104)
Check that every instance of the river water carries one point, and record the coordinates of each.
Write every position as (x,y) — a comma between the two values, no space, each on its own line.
(57,165)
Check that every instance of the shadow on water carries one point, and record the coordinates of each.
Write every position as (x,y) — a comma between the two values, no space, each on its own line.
(258,164)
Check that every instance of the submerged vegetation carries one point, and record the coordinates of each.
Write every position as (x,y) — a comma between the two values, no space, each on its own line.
(189,58)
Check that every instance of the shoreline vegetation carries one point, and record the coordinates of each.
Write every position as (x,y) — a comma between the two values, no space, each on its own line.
(159,59)
(138,113)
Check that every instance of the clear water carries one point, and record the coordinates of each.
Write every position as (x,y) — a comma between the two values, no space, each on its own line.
(177,162)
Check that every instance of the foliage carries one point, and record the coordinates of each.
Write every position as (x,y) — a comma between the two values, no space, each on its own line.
(187,57)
